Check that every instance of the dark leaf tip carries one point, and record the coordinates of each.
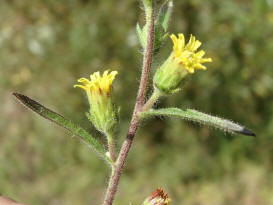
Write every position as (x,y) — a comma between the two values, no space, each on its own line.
(20,96)
(16,94)
(247,132)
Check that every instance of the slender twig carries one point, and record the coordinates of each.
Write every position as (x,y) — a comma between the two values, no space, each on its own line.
(154,97)
(147,60)
(111,147)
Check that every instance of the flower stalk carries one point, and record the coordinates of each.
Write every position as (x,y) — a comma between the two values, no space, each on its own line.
(111,147)
(154,97)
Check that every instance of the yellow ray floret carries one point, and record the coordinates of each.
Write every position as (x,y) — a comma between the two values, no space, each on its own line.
(98,83)
(186,54)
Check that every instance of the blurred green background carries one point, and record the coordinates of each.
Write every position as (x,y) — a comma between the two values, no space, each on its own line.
(46,45)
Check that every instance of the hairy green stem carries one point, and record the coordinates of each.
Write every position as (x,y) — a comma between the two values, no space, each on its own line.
(147,60)
(154,97)
(111,147)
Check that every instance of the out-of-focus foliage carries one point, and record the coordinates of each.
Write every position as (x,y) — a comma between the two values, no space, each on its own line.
(47,45)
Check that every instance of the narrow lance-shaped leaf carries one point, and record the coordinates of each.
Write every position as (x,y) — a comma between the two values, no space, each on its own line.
(141,34)
(65,123)
(160,27)
(196,116)
(165,14)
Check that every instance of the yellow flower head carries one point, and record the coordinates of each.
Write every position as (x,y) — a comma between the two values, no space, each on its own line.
(98,84)
(103,114)
(186,55)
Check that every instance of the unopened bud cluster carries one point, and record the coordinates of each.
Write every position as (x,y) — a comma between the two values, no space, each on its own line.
(158,197)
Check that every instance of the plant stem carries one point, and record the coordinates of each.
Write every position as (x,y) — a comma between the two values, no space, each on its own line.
(111,147)
(154,97)
(147,60)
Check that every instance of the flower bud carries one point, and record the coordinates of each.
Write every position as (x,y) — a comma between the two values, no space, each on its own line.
(103,113)
(158,197)
(183,60)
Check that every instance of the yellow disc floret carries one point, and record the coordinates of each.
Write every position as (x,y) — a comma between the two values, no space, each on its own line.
(98,84)
(186,55)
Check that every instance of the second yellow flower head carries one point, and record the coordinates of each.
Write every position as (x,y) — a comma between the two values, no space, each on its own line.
(103,114)
(98,84)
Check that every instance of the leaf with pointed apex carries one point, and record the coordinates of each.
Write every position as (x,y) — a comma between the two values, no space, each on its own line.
(165,14)
(160,28)
(142,35)
(196,116)
(161,25)
(159,37)
(65,123)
